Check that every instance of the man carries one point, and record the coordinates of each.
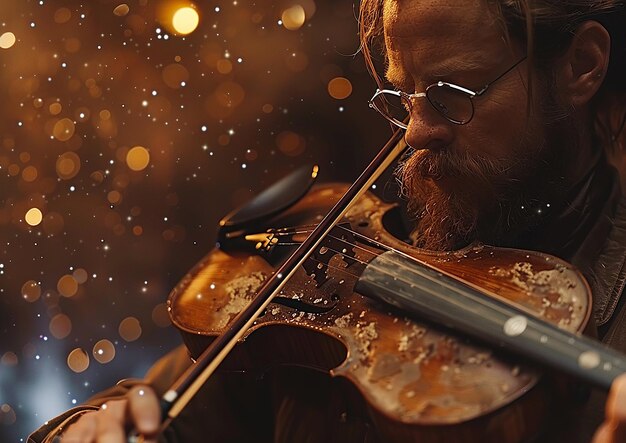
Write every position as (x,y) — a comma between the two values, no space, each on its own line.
(503,100)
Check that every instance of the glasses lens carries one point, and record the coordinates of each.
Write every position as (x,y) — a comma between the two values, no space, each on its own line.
(453,104)
(392,106)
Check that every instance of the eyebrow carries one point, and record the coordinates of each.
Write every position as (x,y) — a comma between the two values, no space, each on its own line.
(468,62)
(471,61)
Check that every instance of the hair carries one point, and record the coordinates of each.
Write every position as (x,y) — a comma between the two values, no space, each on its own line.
(544,28)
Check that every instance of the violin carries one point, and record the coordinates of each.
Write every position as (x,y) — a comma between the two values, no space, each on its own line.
(358,303)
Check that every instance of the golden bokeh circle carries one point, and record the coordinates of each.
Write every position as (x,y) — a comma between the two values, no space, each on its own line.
(31,291)
(185,20)
(161,316)
(290,143)
(67,286)
(114,197)
(137,158)
(224,66)
(293,18)
(62,15)
(29,174)
(130,329)
(80,275)
(68,165)
(60,326)
(339,88)
(63,129)
(78,360)
(7,40)
(121,10)
(33,216)
(55,108)
(104,351)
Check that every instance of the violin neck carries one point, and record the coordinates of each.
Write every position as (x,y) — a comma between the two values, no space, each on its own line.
(425,292)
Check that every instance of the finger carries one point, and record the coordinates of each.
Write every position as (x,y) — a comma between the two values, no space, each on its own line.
(82,430)
(144,410)
(602,434)
(111,422)
(616,403)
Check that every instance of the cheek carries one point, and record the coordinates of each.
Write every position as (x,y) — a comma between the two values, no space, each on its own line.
(501,126)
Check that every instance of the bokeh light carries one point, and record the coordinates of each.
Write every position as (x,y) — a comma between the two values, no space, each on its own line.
(60,326)
(293,17)
(160,315)
(340,88)
(33,216)
(78,360)
(138,158)
(80,275)
(290,143)
(104,351)
(68,165)
(63,129)
(67,286)
(9,358)
(7,40)
(7,414)
(185,20)
(129,329)
(121,10)
(31,291)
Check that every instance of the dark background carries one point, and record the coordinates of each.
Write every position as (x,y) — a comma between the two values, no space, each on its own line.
(222,112)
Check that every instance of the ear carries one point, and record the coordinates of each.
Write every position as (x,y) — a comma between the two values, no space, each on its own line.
(581,70)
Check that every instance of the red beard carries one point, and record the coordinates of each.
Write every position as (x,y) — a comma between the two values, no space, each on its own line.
(460,197)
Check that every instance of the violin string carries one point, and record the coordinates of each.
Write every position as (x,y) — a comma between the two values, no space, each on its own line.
(399,276)
(346,242)
(382,271)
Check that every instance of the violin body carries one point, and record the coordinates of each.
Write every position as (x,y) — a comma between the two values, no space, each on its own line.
(419,381)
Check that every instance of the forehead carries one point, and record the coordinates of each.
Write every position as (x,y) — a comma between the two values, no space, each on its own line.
(442,35)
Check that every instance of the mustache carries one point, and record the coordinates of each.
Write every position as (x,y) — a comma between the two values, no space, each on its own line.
(441,163)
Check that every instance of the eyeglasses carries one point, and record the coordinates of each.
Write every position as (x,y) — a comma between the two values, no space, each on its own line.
(455,103)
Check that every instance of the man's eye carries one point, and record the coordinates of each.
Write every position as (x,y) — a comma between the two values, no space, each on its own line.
(441,107)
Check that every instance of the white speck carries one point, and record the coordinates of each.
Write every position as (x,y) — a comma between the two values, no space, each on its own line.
(515,326)
(589,359)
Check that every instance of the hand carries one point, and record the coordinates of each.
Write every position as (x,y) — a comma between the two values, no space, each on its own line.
(613,430)
(139,409)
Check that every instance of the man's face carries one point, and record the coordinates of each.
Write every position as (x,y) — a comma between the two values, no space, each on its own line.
(479,180)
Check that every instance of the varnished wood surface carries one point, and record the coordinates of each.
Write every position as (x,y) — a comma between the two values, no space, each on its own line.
(415,377)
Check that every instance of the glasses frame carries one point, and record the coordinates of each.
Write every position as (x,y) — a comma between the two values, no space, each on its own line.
(409,98)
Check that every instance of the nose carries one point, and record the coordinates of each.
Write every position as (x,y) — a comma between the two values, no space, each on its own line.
(427,129)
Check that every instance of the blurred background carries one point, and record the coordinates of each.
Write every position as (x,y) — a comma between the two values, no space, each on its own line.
(127,130)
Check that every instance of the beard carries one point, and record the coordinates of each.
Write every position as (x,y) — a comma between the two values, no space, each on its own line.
(462,196)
